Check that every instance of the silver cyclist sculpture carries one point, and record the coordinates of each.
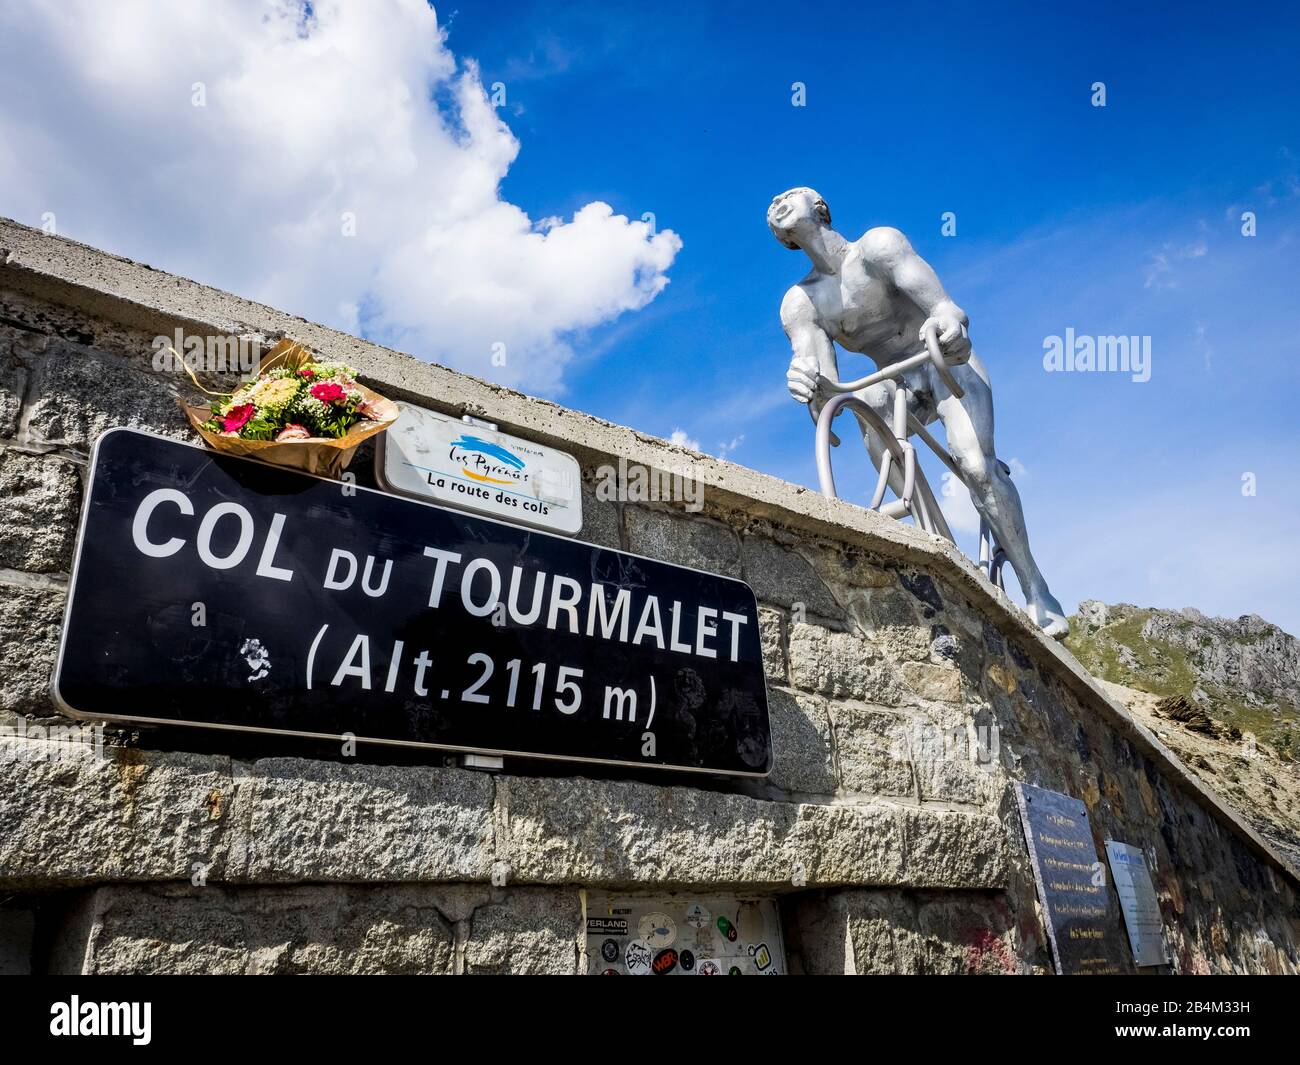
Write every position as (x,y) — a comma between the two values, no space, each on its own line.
(877,297)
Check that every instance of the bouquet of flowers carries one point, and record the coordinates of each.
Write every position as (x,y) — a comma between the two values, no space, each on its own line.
(298,411)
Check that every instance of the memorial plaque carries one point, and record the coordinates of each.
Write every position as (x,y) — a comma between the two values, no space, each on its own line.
(1082,922)
(217,591)
(1138,903)
(427,455)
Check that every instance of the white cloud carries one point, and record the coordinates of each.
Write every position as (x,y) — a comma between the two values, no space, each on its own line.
(680,438)
(1203,345)
(357,110)
(1160,271)
(726,447)
(955,502)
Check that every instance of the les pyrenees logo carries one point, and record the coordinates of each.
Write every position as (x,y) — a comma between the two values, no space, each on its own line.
(486,462)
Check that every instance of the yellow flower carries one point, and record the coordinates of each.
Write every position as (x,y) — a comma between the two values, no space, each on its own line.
(275,393)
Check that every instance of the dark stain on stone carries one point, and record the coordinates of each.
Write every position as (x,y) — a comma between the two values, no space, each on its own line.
(993,639)
(1167,809)
(1247,868)
(17,324)
(944,643)
(922,586)
(1082,744)
(1171,844)
(1019,657)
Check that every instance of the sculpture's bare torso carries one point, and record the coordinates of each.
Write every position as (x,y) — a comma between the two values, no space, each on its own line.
(864,313)
(876,296)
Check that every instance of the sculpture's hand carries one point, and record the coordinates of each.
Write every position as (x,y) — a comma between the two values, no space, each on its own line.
(804,381)
(801,379)
(954,341)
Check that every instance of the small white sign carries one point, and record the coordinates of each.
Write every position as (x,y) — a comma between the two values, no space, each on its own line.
(1137,899)
(468,466)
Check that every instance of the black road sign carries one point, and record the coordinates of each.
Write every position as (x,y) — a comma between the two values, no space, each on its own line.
(222,592)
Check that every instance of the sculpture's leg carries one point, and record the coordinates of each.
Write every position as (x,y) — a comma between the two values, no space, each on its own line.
(968,423)
(880,399)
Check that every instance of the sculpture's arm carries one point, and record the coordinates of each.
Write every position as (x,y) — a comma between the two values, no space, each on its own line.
(890,254)
(813,351)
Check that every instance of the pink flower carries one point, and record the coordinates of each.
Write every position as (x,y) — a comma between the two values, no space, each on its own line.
(293,431)
(328,392)
(369,408)
(307,373)
(236,417)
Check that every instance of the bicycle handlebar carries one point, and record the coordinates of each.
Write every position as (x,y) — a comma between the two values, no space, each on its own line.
(932,354)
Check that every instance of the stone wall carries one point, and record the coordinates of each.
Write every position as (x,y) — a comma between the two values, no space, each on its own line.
(906,696)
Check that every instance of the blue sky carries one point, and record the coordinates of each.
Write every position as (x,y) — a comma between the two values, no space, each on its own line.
(475,225)
(1116,220)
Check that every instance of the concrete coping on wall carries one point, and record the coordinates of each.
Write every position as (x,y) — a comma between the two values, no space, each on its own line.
(139,297)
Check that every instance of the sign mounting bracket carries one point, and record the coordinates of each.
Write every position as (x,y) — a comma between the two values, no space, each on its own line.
(469,419)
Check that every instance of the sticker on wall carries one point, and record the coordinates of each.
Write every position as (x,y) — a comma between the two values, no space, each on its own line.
(665,962)
(607,926)
(697,916)
(658,929)
(638,959)
(687,935)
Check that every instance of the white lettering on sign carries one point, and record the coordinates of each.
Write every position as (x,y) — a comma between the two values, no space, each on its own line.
(231,594)
(207,527)
(566,607)
(476,586)
(140,526)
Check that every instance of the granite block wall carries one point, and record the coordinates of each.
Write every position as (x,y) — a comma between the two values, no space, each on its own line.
(906,697)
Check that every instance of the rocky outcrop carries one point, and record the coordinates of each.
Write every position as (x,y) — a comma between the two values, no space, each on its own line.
(1243,673)
(1223,694)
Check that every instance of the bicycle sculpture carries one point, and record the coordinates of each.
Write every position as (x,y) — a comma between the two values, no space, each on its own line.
(877,297)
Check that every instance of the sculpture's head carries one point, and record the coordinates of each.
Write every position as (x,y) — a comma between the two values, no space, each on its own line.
(797,211)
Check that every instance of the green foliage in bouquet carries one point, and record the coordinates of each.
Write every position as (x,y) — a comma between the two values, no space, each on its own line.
(314,399)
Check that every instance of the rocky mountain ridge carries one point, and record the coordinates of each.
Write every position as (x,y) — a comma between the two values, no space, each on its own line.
(1223,694)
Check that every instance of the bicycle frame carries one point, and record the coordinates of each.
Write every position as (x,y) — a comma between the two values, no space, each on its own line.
(897,448)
